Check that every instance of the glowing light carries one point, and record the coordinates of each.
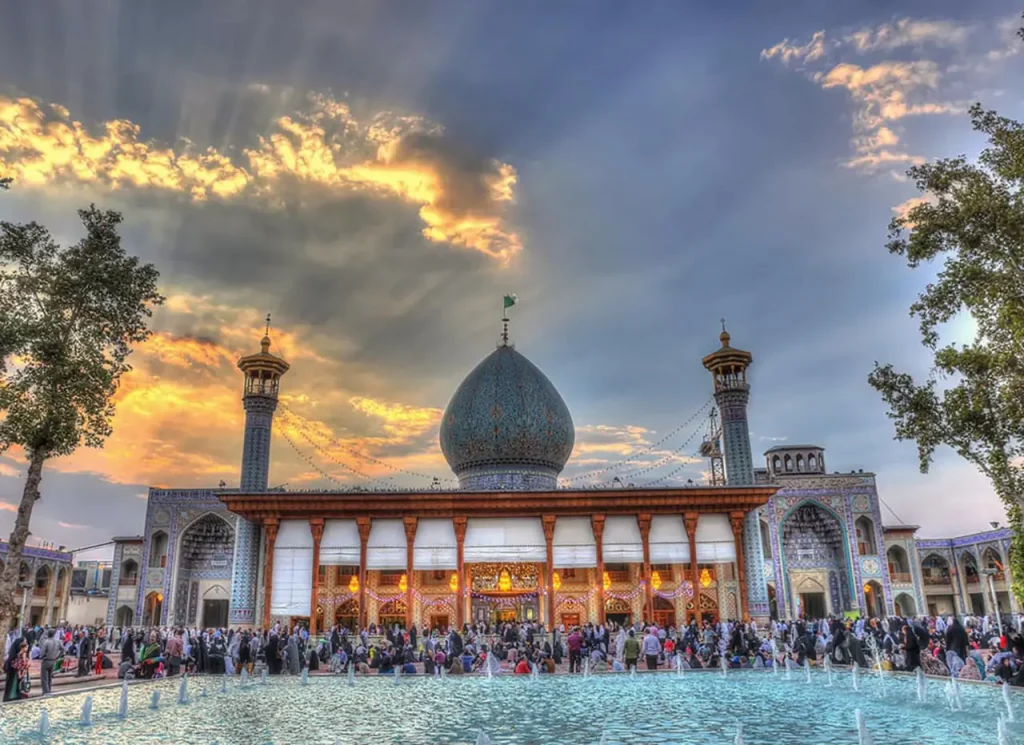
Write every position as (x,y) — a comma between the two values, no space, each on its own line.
(403,583)
(159,597)
(556,581)
(504,581)
(705,577)
(607,580)
(453,583)
(867,588)
(353,584)
(656,580)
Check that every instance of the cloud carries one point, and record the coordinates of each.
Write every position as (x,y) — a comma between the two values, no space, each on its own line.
(8,507)
(74,526)
(320,152)
(768,438)
(6,470)
(908,32)
(399,421)
(902,210)
(787,52)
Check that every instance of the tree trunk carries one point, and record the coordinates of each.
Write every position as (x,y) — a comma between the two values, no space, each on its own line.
(9,578)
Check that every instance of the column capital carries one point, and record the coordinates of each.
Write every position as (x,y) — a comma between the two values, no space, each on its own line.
(271,525)
(410,528)
(736,519)
(460,528)
(316,525)
(644,521)
(548,521)
(597,523)
(364,524)
(690,519)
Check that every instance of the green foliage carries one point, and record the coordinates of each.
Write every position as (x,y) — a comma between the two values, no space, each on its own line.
(973,220)
(68,320)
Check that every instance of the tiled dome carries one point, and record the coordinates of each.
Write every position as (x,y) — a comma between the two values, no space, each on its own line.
(506,427)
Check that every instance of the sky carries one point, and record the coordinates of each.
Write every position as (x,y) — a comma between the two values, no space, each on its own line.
(378,175)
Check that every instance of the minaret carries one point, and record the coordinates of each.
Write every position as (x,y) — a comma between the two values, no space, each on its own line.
(263,373)
(729,366)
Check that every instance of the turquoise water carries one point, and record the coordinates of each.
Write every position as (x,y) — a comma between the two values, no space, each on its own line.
(700,707)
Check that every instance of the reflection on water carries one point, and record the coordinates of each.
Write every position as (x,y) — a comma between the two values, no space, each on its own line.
(560,710)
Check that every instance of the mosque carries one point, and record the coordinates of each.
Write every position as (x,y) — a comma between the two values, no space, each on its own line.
(510,542)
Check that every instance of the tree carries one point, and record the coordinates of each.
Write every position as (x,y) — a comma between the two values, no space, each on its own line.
(973,400)
(68,320)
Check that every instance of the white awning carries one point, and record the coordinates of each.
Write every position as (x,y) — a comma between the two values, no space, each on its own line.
(622,543)
(715,542)
(504,539)
(386,547)
(668,540)
(340,543)
(574,544)
(293,569)
(435,546)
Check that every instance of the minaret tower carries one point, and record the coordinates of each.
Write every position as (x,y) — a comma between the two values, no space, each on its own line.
(729,366)
(263,373)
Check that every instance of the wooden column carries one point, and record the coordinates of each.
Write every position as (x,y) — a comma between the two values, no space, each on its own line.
(597,523)
(736,518)
(463,593)
(270,525)
(549,537)
(644,521)
(364,535)
(316,525)
(410,539)
(690,518)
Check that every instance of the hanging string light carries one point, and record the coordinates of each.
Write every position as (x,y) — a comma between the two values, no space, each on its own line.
(310,462)
(658,464)
(640,453)
(316,446)
(376,461)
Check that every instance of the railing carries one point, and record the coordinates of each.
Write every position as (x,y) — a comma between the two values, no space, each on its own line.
(39,592)
(901,577)
(618,576)
(973,579)
(128,581)
(938,580)
(390,580)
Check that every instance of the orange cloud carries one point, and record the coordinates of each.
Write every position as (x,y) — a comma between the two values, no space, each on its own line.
(399,421)
(8,507)
(6,470)
(462,201)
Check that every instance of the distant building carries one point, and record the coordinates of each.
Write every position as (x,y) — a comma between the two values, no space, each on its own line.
(89,593)
(44,580)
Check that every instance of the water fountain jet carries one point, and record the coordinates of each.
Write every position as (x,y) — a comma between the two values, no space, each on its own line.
(828,670)
(863,736)
(154,703)
(807,669)
(789,668)
(724,665)
(1002,732)
(305,675)
(244,677)
(1010,716)
(122,707)
(86,718)
(183,690)
(922,686)
(483,739)
(856,677)
(738,740)
(44,724)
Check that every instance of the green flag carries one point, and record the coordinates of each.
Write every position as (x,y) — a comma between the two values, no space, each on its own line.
(510,300)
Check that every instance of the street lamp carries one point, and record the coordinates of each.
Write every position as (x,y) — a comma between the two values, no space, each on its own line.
(990,572)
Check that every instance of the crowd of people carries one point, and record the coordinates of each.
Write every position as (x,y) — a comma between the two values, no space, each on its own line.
(977,648)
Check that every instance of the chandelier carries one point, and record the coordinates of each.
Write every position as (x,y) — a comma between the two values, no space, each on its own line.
(705,578)
(453,583)
(504,581)
(656,580)
(556,581)
(607,581)
(353,584)
(403,583)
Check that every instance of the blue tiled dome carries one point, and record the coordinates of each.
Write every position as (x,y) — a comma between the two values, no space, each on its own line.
(506,427)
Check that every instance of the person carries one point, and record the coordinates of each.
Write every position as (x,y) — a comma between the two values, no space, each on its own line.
(16,670)
(575,645)
(175,651)
(217,652)
(49,653)
(523,667)
(631,650)
(651,650)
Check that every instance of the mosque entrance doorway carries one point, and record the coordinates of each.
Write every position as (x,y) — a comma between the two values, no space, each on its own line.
(215,614)
(346,615)
(813,604)
(664,613)
(439,622)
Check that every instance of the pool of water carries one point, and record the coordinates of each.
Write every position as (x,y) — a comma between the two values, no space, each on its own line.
(700,707)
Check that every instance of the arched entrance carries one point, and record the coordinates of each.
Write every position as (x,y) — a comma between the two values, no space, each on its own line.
(814,546)
(972,584)
(392,613)
(905,606)
(617,611)
(346,614)
(664,613)
(152,609)
(125,616)
(203,573)
(773,603)
(874,599)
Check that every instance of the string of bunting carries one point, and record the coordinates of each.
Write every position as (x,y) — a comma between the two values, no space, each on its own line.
(626,595)
(644,451)
(566,599)
(377,461)
(658,464)
(316,446)
(668,475)
(309,461)
(685,589)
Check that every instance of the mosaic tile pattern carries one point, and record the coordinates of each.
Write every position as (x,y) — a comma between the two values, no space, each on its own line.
(506,413)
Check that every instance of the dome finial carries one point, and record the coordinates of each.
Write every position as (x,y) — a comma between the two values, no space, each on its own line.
(724,336)
(507,303)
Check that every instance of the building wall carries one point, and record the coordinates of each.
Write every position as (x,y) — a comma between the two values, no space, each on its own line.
(87,610)
(847,497)
(172,511)
(961,592)
(51,606)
